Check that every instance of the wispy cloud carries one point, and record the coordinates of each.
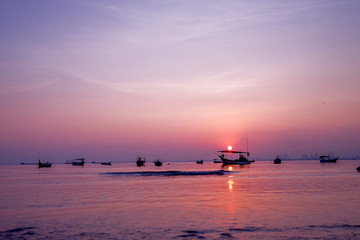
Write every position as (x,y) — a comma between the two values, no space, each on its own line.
(26,78)
(207,84)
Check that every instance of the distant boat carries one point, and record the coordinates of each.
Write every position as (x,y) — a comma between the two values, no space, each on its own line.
(106,163)
(277,160)
(140,162)
(328,159)
(227,157)
(158,163)
(41,165)
(78,162)
(199,161)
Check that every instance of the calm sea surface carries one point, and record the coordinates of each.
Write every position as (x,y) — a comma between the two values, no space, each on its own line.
(294,200)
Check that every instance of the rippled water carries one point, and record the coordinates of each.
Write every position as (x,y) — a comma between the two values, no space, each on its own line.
(294,200)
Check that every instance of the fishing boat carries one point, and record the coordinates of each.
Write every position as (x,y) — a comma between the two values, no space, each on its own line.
(234,157)
(140,161)
(158,163)
(78,162)
(328,159)
(277,160)
(199,161)
(41,165)
(106,163)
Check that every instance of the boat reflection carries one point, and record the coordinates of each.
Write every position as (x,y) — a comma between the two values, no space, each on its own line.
(234,167)
(230,182)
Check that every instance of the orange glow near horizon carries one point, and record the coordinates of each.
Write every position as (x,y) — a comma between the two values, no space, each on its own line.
(229,148)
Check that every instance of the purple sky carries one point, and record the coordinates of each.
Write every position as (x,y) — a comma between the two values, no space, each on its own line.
(178,80)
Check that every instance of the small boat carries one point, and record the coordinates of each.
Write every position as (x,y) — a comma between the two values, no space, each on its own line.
(227,157)
(106,163)
(140,162)
(199,161)
(78,162)
(158,163)
(277,160)
(41,165)
(328,159)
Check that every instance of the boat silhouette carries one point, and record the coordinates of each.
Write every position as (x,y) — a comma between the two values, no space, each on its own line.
(78,162)
(41,165)
(140,161)
(227,157)
(328,159)
(158,163)
(277,160)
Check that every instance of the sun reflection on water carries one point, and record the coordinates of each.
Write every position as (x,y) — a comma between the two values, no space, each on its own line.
(230,182)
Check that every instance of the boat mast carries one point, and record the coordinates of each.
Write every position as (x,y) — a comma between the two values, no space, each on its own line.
(247,145)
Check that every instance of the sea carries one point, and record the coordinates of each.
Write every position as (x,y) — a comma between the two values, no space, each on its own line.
(181,200)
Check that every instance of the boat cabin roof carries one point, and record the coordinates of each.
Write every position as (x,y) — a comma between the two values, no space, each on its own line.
(227,151)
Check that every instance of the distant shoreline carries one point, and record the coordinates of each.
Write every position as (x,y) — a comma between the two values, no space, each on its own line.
(185,161)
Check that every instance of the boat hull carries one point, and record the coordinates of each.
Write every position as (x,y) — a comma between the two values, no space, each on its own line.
(106,163)
(78,162)
(140,162)
(334,160)
(42,165)
(238,162)
(277,161)
(158,163)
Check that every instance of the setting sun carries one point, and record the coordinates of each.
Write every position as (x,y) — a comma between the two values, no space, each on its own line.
(229,148)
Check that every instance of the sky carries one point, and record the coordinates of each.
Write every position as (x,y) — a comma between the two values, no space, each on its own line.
(178,80)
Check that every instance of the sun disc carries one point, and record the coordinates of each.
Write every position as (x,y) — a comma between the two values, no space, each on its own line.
(229,148)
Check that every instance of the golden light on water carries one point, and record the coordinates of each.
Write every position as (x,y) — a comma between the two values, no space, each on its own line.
(230,182)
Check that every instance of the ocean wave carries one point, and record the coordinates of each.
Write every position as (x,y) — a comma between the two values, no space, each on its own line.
(169,173)
(335,226)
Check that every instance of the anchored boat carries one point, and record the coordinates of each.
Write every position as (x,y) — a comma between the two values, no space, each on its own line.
(234,157)
(277,160)
(327,158)
(41,165)
(140,161)
(158,163)
(78,162)
(106,163)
